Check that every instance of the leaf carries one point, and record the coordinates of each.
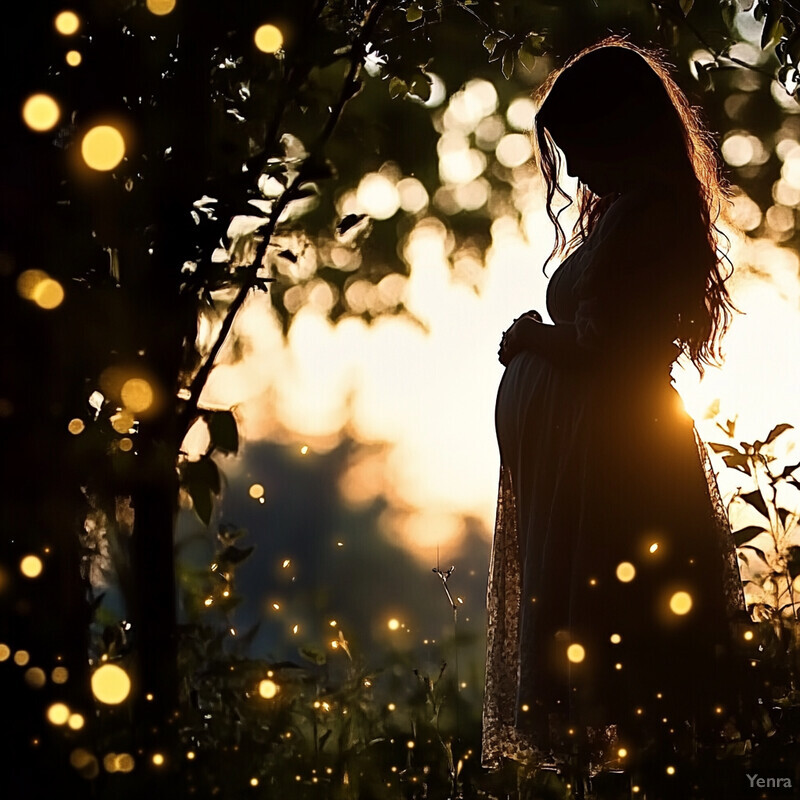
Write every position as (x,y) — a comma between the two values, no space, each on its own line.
(728,11)
(421,87)
(746,534)
(777,431)
(313,654)
(756,500)
(397,88)
(757,550)
(507,67)
(347,222)
(224,431)
(704,76)
(202,481)
(414,13)
(490,42)
(235,555)
(772,23)
(686,6)
(722,448)
(793,561)
(738,461)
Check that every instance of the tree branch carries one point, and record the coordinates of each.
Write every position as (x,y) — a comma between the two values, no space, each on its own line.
(315,156)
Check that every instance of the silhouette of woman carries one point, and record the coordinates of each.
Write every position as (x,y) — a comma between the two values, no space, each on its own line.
(613,577)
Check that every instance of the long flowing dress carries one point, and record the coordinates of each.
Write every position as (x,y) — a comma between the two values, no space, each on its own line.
(613,578)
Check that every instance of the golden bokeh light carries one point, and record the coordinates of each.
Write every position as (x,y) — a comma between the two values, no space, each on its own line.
(31,566)
(670,770)
(618,666)
(626,572)
(267,689)
(5,652)
(654,547)
(73,58)
(748,635)
(122,421)
(48,294)
(615,638)
(680,603)
(393,624)
(124,762)
(59,675)
(256,491)
(75,721)
(268,39)
(137,395)
(190,755)
(110,762)
(35,677)
(21,658)
(111,684)
(41,112)
(254,781)
(67,23)
(58,714)
(103,147)
(76,426)
(160,7)
(576,653)
(158,759)
(622,752)
(83,761)
(28,281)
(126,445)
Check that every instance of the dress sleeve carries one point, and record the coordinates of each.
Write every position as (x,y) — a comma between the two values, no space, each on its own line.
(626,304)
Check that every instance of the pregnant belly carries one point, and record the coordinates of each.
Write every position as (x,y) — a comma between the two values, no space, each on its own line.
(536,403)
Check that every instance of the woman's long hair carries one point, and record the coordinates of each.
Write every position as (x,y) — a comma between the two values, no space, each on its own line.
(623,99)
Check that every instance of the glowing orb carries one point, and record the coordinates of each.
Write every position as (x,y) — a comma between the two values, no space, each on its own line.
(680,603)
(111,684)
(67,23)
(268,689)
(137,395)
(73,58)
(256,491)
(393,624)
(160,7)
(626,572)
(622,752)
(158,759)
(268,39)
(615,638)
(576,653)
(58,714)
(75,721)
(40,112)
(31,566)
(103,148)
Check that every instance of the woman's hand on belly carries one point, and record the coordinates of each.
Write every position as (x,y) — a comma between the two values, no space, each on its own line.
(517,337)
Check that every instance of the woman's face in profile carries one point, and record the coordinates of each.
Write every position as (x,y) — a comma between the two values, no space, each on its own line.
(602,174)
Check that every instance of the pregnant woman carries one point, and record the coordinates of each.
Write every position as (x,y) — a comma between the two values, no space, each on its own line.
(613,578)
